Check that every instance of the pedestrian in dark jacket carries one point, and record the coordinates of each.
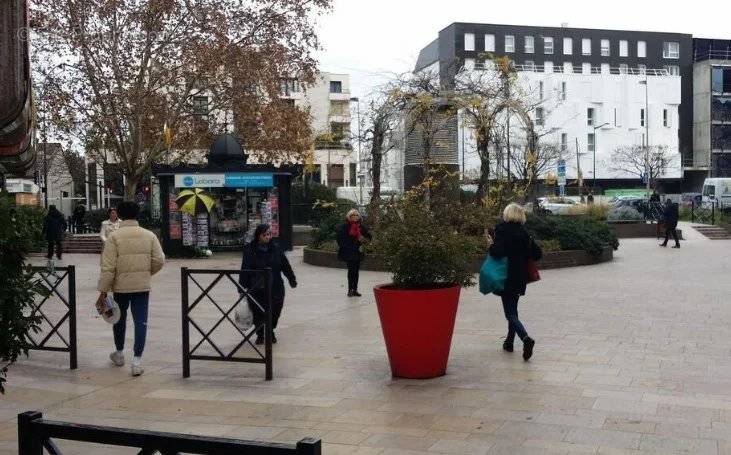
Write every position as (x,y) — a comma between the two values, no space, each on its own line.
(259,254)
(79,215)
(670,218)
(513,242)
(54,227)
(351,236)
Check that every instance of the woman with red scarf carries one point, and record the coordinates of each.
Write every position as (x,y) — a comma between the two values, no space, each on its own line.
(350,237)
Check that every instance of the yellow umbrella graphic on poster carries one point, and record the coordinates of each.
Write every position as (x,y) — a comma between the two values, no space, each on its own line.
(193,201)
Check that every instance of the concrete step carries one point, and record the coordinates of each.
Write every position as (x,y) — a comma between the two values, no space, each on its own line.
(713,232)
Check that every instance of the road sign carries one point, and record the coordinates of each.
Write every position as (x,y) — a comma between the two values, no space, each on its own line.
(561,172)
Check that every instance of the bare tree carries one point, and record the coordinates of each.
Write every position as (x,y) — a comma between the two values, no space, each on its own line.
(120,71)
(482,96)
(380,127)
(635,159)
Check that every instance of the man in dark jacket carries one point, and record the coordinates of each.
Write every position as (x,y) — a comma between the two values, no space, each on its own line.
(259,254)
(54,227)
(670,216)
(513,242)
(79,215)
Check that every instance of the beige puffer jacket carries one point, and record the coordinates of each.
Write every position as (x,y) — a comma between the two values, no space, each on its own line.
(131,256)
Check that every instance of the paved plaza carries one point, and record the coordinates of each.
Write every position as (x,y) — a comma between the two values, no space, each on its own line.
(632,356)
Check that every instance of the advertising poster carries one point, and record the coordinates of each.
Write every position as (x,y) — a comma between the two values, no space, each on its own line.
(174,220)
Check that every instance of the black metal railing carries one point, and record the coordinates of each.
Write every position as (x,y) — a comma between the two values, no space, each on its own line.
(36,434)
(703,212)
(50,336)
(244,296)
(74,227)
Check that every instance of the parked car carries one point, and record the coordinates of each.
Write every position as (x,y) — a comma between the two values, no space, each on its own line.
(557,206)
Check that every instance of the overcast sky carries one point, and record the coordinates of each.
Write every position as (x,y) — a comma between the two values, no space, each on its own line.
(370,39)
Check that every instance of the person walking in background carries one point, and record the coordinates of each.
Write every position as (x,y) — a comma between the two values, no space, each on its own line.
(110,225)
(130,257)
(54,229)
(79,215)
(351,236)
(670,217)
(259,254)
(513,242)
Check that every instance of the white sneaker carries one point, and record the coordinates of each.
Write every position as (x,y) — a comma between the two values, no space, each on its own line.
(137,368)
(117,358)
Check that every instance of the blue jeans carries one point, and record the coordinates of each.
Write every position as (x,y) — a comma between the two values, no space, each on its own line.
(139,302)
(510,306)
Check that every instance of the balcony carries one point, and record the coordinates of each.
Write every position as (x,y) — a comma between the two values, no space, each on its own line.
(332,142)
(336,117)
(340,96)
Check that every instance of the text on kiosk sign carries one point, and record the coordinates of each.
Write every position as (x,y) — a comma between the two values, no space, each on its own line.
(228,180)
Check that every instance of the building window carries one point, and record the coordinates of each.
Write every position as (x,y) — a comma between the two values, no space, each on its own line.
(590,116)
(586,68)
(289,86)
(623,68)
(529,65)
(547,45)
(568,45)
(480,64)
(568,67)
(586,46)
(673,70)
(469,63)
(670,50)
(563,91)
(336,87)
(642,69)
(642,117)
(469,41)
(665,121)
(590,142)
(539,116)
(605,68)
(623,48)
(548,67)
(540,90)
(529,45)
(558,69)
(509,43)
(605,48)
(564,142)
(641,49)
(490,43)
(200,105)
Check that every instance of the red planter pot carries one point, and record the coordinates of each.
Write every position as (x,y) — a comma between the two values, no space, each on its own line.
(417,327)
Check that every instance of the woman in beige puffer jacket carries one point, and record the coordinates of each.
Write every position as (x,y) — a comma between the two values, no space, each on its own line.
(130,257)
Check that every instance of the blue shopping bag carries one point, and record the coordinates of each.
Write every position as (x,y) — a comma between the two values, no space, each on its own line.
(493,274)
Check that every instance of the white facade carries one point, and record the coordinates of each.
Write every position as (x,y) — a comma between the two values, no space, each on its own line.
(617,103)
(330,108)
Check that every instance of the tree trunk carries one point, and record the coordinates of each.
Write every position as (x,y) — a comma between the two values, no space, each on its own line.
(376,169)
(130,187)
(484,182)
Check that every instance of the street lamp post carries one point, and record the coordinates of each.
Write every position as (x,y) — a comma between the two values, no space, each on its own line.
(593,183)
(359,174)
(647,135)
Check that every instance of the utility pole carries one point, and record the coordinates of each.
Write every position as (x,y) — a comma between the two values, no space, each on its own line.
(579,177)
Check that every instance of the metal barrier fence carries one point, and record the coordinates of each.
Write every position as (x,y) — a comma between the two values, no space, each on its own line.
(244,296)
(36,434)
(703,212)
(52,278)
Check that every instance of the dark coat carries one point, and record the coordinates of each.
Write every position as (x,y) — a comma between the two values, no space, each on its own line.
(348,247)
(54,226)
(272,256)
(670,216)
(513,242)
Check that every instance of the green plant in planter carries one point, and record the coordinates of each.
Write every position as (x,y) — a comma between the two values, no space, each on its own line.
(418,242)
(19,233)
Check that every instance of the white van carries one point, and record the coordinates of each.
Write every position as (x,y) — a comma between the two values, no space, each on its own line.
(717,190)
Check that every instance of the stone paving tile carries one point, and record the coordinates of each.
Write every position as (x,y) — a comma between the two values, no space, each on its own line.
(613,378)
